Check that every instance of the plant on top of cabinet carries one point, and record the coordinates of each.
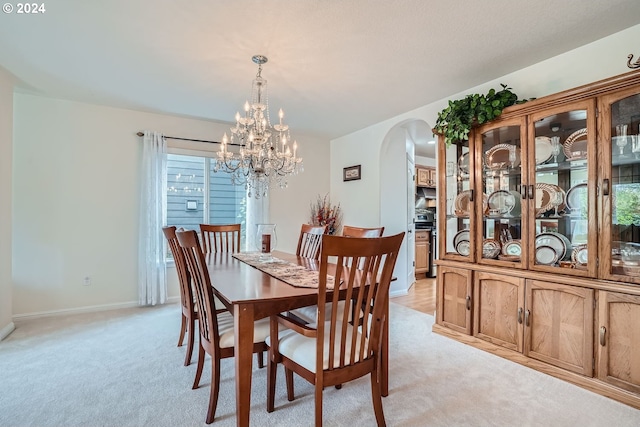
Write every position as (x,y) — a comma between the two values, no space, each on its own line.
(455,121)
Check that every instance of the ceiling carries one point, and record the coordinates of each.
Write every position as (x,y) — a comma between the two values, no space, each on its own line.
(335,66)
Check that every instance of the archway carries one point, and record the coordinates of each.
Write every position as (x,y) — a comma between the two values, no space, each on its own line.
(397,192)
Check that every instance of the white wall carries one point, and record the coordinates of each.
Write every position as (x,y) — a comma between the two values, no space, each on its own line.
(76,186)
(361,199)
(6,141)
(289,208)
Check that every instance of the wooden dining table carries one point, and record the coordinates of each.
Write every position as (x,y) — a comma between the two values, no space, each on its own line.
(250,294)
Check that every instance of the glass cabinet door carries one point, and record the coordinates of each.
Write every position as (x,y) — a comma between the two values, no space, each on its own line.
(620,248)
(457,200)
(500,218)
(561,190)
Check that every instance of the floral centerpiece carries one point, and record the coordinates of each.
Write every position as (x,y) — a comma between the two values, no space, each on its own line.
(323,213)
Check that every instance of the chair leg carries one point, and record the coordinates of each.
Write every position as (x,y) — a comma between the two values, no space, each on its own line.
(318,393)
(196,381)
(260,357)
(183,329)
(272,368)
(190,338)
(288,374)
(215,388)
(376,396)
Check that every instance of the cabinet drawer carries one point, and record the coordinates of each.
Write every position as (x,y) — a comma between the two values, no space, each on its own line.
(422,235)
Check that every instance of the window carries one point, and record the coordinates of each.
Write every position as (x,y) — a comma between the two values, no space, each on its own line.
(196,194)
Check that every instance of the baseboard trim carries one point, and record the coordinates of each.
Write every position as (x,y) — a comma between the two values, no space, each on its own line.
(6,331)
(86,309)
(398,293)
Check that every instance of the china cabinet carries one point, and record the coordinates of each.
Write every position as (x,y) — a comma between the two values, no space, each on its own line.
(539,213)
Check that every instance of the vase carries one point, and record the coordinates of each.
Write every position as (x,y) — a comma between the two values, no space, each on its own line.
(266,240)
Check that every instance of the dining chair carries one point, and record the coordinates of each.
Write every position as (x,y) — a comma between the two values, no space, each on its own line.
(310,240)
(309,314)
(189,313)
(216,329)
(220,237)
(349,231)
(223,238)
(333,351)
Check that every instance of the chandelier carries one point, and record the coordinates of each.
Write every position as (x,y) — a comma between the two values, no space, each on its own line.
(265,158)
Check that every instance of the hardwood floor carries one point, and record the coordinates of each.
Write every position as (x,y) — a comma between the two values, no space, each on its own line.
(421,297)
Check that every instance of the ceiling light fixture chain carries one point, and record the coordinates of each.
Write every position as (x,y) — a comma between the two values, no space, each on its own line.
(264,158)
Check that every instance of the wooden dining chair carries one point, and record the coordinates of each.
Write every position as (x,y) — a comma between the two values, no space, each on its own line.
(310,240)
(189,313)
(220,237)
(349,231)
(216,328)
(333,351)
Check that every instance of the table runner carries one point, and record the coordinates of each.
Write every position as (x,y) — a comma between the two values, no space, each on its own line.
(286,271)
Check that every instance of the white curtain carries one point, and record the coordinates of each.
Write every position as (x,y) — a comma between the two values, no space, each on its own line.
(257,213)
(152,279)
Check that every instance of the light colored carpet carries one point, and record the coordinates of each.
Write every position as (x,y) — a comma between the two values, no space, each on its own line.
(122,368)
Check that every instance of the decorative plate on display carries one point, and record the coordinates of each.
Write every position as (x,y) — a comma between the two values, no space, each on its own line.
(512,248)
(577,197)
(555,240)
(490,248)
(546,255)
(498,156)
(544,149)
(545,195)
(460,235)
(463,247)
(575,146)
(579,255)
(501,201)
(463,163)
(461,203)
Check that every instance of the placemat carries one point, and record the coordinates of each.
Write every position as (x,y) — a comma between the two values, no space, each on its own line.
(289,272)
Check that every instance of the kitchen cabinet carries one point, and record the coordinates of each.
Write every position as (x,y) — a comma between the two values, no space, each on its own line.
(539,208)
(426,176)
(619,340)
(423,247)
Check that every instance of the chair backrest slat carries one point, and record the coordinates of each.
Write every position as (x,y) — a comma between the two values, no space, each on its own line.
(220,237)
(363,269)
(310,240)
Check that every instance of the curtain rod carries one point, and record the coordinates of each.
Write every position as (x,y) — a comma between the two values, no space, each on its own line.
(188,139)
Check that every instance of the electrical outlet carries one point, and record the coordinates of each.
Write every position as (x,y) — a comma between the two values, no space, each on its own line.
(87,281)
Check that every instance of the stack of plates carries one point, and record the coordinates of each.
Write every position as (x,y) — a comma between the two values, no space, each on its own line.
(462,243)
(558,242)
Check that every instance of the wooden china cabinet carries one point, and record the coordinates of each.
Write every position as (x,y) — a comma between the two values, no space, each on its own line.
(539,218)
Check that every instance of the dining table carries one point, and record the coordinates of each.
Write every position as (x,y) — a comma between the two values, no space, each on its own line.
(251,294)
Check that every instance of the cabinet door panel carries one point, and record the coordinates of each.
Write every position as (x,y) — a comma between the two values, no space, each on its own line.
(619,340)
(499,302)
(559,325)
(561,189)
(422,251)
(454,299)
(620,156)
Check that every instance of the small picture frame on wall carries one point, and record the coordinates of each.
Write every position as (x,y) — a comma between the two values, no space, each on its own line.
(351,173)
